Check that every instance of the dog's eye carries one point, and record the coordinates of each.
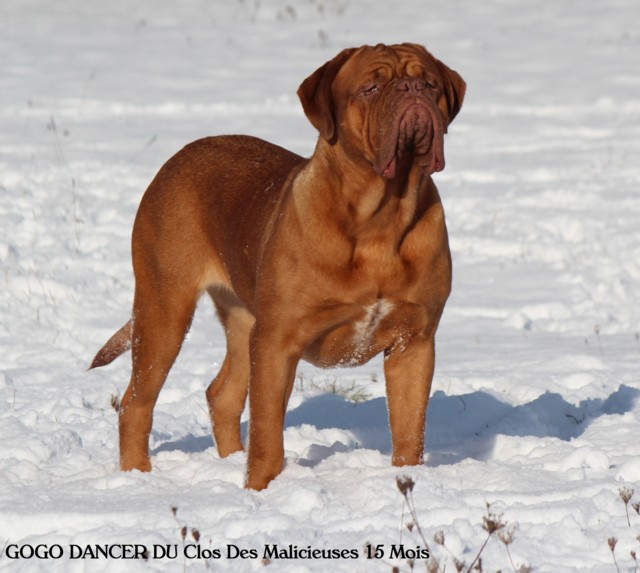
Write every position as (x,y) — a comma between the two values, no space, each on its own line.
(369,90)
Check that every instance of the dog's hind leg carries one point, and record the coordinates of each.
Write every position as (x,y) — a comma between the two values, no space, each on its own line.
(162,313)
(227,393)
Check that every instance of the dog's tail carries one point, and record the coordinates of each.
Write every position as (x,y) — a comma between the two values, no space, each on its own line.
(119,343)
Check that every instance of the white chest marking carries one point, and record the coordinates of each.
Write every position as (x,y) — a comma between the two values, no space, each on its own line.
(365,329)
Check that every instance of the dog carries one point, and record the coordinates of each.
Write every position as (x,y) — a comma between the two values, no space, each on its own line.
(332,259)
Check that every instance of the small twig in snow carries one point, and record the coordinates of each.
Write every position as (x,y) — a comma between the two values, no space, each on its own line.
(626,494)
(612,545)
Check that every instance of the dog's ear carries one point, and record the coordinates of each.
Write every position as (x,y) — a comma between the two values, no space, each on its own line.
(316,98)
(454,89)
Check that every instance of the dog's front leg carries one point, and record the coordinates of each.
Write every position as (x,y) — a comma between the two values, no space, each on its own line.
(408,368)
(273,368)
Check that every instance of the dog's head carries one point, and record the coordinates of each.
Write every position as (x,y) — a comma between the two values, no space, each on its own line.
(391,104)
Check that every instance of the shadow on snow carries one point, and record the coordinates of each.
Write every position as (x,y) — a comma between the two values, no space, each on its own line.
(458,427)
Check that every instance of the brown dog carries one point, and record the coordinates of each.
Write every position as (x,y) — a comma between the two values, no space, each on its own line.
(331,259)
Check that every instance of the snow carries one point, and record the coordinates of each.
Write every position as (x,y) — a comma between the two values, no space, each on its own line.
(534,405)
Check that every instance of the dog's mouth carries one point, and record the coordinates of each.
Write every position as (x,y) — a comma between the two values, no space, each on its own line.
(417,134)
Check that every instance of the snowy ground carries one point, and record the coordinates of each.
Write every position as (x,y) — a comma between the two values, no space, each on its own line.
(535,405)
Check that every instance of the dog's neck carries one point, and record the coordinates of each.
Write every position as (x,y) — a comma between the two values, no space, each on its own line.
(369,202)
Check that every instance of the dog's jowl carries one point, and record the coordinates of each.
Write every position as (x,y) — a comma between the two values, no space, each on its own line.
(331,259)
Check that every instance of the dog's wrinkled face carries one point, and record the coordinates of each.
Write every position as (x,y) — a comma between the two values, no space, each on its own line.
(390,104)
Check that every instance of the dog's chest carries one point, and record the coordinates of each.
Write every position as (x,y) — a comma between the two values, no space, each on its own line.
(375,327)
